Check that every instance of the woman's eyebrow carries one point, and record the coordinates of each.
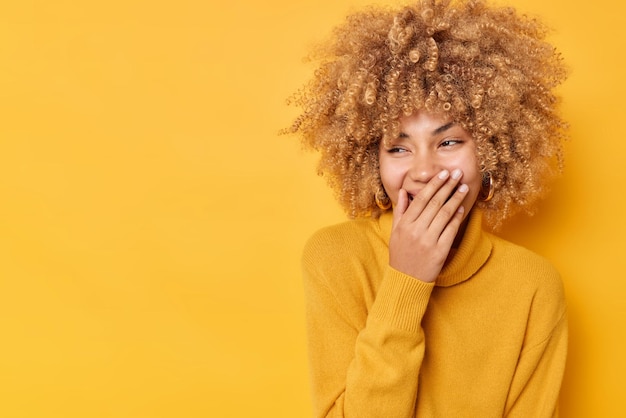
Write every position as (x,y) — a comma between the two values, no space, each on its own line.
(443,128)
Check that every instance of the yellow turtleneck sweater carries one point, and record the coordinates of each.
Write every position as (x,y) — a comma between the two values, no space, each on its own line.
(488,339)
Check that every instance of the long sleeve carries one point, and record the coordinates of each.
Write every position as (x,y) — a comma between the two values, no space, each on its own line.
(363,364)
(371,371)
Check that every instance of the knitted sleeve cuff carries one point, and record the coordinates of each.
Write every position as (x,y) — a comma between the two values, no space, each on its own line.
(401,300)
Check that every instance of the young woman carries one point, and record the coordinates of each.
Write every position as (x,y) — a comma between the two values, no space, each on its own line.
(434,122)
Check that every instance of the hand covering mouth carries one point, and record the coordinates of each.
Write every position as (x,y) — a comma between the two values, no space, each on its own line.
(412,196)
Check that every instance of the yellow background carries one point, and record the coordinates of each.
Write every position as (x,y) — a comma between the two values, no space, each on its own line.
(151,220)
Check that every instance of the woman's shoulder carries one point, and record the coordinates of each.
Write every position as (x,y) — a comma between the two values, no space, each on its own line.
(524,266)
(520,256)
(343,236)
(355,242)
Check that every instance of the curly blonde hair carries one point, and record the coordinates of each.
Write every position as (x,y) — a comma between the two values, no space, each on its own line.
(487,68)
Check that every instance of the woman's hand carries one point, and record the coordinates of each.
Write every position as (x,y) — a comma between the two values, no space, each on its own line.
(424,228)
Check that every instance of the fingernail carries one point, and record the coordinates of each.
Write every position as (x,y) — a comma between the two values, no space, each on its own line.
(463,188)
(456,174)
(443,174)
(461,209)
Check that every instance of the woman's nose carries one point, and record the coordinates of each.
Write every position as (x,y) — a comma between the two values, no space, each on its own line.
(424,167)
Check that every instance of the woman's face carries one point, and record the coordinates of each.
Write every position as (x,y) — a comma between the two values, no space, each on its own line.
(428,143)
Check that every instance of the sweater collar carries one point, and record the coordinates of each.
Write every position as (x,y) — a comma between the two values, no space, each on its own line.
(473,252)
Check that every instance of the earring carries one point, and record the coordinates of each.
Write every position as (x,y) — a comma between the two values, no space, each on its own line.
(382,200)
(487,188)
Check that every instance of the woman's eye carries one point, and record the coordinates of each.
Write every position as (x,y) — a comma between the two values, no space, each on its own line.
(394,150)
(450,142)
